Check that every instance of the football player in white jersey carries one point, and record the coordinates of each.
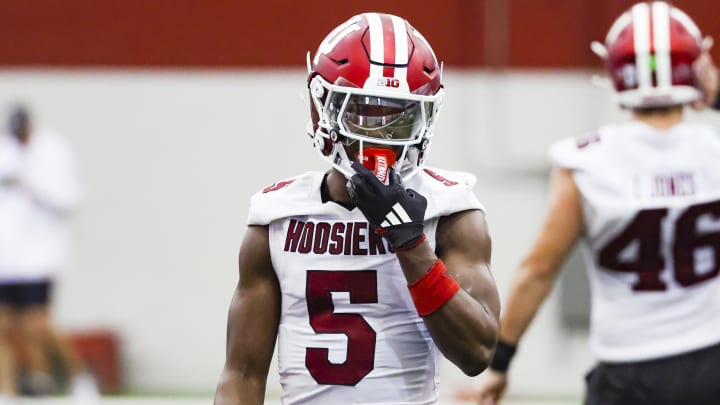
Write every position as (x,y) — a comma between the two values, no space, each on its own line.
(362,271)
(39,192)
(643,198)
(708,81)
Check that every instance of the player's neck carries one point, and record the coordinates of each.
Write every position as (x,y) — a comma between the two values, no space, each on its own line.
(660,118)
(336,186)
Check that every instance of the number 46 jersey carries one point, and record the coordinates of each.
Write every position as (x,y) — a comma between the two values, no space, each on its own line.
(651,206)
(349,332)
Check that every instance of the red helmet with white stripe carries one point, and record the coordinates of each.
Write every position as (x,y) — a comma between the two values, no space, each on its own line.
(649,52)
(374,82)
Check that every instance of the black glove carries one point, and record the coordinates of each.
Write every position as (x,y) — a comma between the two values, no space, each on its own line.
(392,211)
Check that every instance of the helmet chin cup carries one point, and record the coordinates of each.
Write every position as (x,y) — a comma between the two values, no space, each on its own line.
(339,159)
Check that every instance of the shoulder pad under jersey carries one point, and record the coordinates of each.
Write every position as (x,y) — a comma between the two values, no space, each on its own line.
(447,191)
(575,152)
(285,198)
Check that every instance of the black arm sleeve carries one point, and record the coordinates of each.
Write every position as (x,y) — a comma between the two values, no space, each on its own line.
(717,102)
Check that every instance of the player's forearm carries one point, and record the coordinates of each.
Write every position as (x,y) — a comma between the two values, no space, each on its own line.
(465,331)
(464,328)
(236,389)
(529,290)
(416,262)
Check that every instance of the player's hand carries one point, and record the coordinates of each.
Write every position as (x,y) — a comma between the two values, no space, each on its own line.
(491,390)
(706,80)
(392,211)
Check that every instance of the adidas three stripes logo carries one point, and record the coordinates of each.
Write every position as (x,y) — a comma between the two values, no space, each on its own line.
(396,216)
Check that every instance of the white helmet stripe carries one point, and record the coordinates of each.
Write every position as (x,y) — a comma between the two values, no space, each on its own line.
(377,43)
(661,39)
(641,34)
(401,48)
(401,40)
(617,27)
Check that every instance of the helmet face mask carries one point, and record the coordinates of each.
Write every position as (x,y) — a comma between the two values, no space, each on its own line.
(649,52)
(374,83)
(377,117)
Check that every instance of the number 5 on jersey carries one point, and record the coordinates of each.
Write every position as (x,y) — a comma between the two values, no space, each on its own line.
(360,358)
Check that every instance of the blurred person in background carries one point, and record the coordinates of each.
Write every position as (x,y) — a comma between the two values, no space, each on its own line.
(707,78)
(643,197)
(361,271)
(39,190)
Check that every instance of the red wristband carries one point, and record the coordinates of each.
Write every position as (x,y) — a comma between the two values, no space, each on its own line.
(433,289)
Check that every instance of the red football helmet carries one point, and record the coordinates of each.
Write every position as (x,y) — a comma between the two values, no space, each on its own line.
(374,80)
(649,52)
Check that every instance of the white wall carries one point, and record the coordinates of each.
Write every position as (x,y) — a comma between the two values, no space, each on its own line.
(169,160)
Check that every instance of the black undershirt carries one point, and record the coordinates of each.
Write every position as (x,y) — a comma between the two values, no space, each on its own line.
(325,195)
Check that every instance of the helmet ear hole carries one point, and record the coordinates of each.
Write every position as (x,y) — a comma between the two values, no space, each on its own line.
(316,89)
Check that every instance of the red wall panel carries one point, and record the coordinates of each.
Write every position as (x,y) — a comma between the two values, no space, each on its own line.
(244,33)
(557,33)
(218,33)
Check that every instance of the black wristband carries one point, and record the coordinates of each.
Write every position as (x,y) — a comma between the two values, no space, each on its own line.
(504,353)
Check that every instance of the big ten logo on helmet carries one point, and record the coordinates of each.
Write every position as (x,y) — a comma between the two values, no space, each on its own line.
(388,82)
(336,35)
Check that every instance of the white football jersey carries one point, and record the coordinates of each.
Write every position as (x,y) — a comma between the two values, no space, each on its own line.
(349,332)
(39,187)
(651,205)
